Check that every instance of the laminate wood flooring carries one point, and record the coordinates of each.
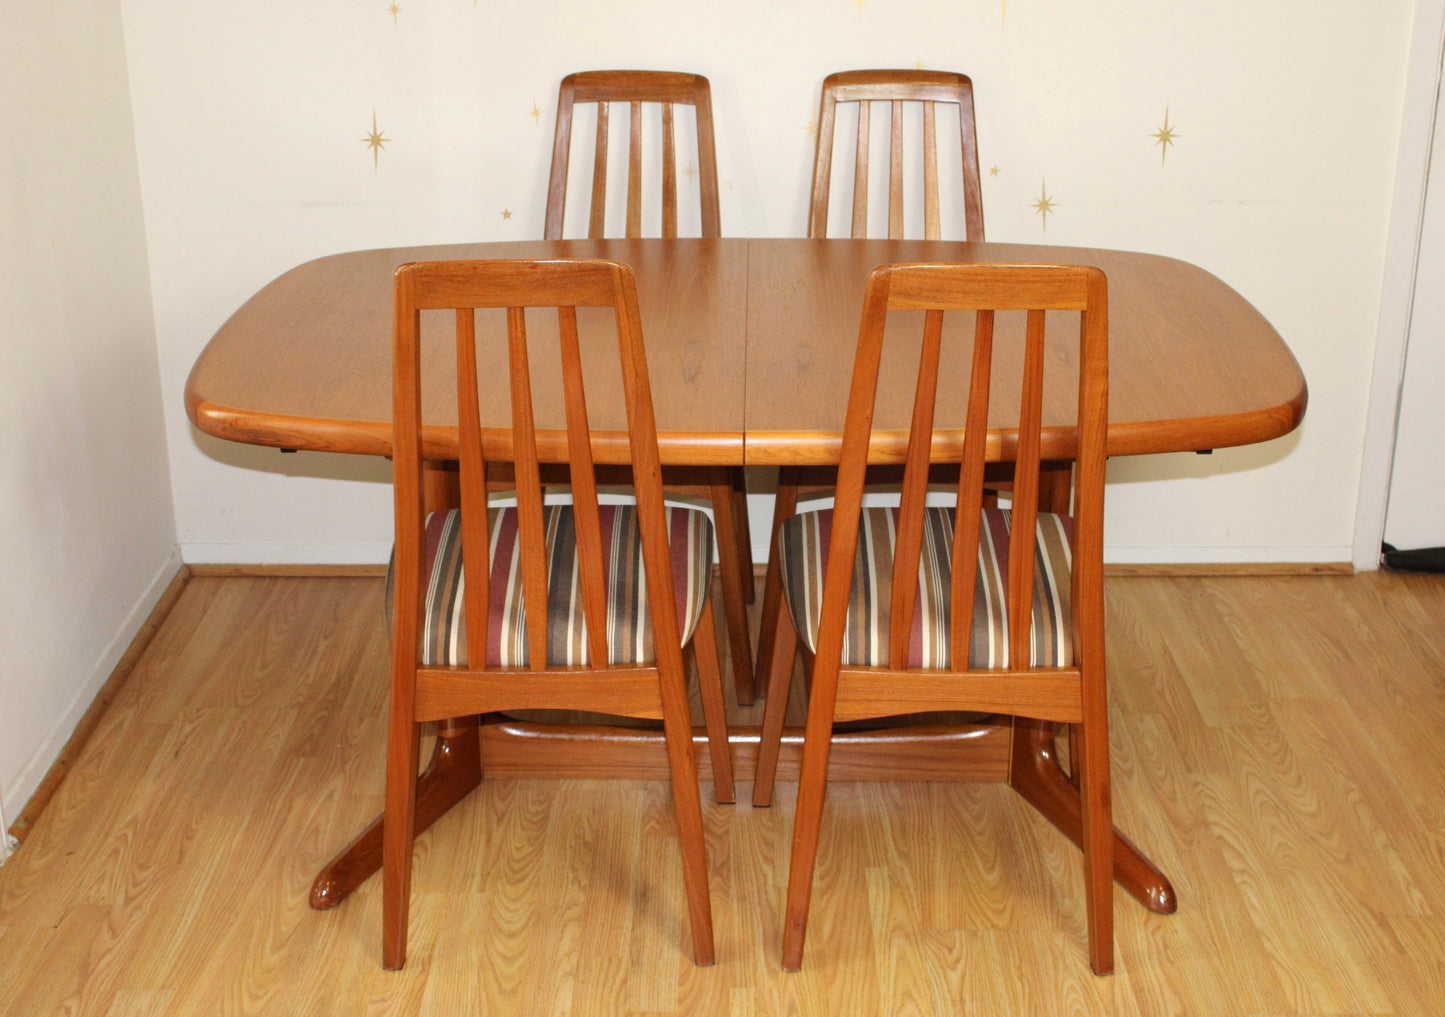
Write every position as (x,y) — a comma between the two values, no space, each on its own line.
(1276,748)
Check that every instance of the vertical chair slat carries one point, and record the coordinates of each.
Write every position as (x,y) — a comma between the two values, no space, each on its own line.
(822,167)
(584,491)
(646,472)
(860,174)
(634,172)
(915,492)
(706,164)
(669,175)
(895,171)
(597,224)
(970,495)
(561,158)
(972,185)
(932,224)
(1026,496)
(532,536)
(476,536)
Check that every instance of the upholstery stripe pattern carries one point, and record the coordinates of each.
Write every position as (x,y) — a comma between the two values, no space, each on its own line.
(629,616)
(804,562)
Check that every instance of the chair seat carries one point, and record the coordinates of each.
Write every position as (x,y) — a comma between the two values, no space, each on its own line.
(629,622)
(804,561)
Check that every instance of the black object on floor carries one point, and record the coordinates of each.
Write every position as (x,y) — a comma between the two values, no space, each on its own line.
(1421,559)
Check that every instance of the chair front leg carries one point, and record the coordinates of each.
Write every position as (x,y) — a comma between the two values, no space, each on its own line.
(1092,773)
(398,831)
(687,803)
(812,781)
(731,568)
(714,710)
(770,739)
(771,657)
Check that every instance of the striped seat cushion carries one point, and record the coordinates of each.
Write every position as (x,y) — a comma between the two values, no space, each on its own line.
(804,562)
(629,617)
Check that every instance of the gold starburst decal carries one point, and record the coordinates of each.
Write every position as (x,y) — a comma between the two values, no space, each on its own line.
(811,126)
(375,141)
(691,172)
(1164,137)
(993,171)
(860,4)
(918,64)
(1003,17)
(1045,204)
(506,213)
(393,9)
(535,113)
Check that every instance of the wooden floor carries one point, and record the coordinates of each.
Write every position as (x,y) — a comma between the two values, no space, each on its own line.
(1277,750)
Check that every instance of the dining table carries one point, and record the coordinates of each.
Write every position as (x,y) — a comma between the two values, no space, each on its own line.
(749,346)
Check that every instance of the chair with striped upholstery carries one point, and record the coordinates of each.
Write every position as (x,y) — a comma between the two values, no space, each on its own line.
(933,105)
(563,612)
(920,608)
(667,93)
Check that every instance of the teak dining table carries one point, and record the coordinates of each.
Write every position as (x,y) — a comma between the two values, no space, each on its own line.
(749,345)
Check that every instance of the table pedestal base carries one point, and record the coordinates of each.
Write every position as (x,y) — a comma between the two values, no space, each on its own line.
(1021,752)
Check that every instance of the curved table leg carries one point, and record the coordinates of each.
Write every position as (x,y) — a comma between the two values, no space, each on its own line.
(454,770)
(1035,773)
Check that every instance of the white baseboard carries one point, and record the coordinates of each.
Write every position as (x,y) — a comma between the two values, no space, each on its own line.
(242,553)
(1227,555)
(35,768)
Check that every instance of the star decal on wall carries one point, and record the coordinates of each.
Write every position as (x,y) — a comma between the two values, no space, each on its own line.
(1164,137)
(375,141)
(811,127)
(506,213)
(535,113)
(691,172)
(393,9)
(993,171)
(1045,204)
(1003,17)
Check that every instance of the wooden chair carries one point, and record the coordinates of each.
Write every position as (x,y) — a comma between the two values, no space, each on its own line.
(724,488)
(928,89)
(560,613)
(861,89)
(967,608)
(635,88)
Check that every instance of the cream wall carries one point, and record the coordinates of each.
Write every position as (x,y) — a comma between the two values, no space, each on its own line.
(87,535)
(250,124)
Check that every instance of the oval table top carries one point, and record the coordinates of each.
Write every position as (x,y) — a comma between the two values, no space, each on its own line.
(749,345)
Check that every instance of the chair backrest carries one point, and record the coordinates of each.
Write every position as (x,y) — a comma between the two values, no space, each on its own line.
(470,288)
(897,88)
(635,88)
(985,290)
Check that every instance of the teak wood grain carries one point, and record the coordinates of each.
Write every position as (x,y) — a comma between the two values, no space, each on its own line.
(1192,364)
(302,365)
(724,490)
(306,362)
(667,89)
(750,348)
(1070,690)
(422,690)
(934,92)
